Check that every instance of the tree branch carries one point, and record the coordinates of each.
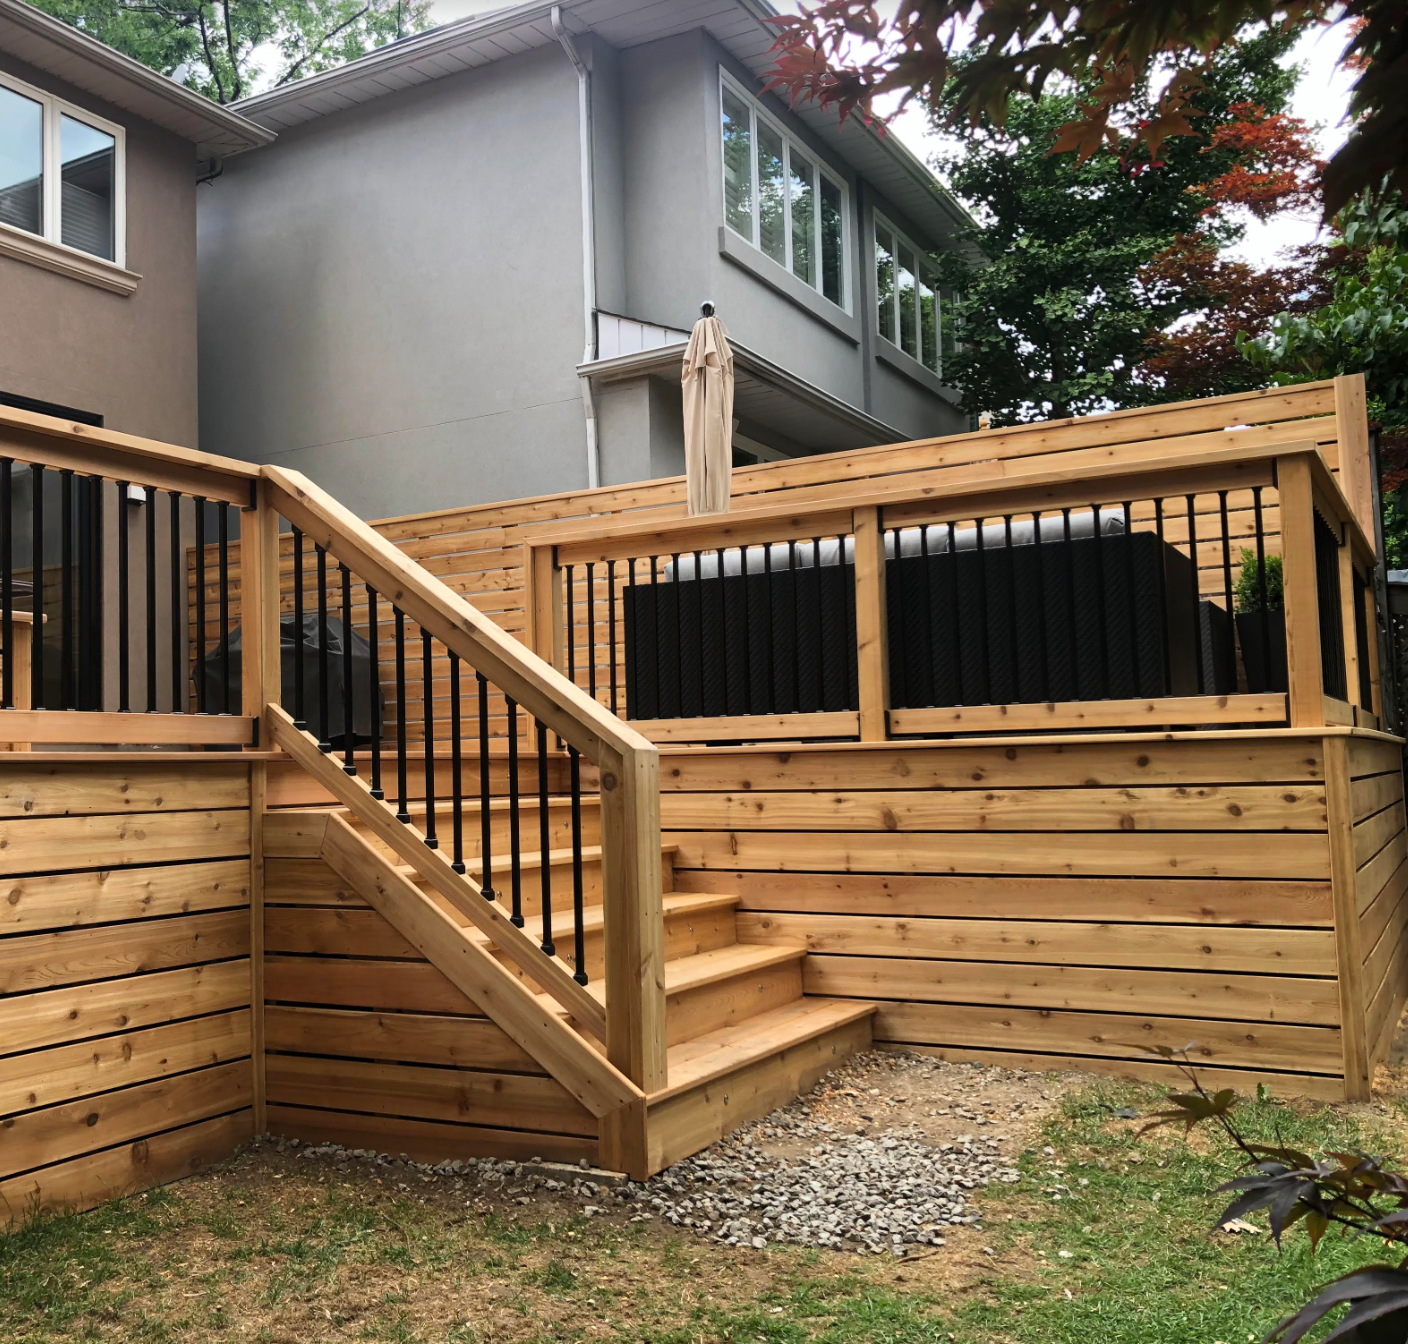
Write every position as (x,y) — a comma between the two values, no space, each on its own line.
(318,46)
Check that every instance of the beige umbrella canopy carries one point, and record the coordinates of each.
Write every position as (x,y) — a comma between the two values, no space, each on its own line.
(708,415)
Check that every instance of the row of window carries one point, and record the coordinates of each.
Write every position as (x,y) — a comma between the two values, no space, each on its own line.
(794,210)
(60,171)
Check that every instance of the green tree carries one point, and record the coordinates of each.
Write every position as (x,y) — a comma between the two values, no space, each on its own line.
(228,49)
(1362,328)
(1061,308)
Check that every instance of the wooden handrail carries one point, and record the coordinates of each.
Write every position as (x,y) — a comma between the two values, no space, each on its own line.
(52,442)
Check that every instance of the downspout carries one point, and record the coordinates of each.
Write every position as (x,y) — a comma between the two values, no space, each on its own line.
(584,123)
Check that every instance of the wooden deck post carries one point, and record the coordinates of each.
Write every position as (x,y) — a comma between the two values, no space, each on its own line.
(22,633)
(1352,431)
(872,643)
(260,677)
(1349,956)
(1306,681)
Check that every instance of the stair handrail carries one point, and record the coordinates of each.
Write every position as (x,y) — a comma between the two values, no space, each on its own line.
(627,762)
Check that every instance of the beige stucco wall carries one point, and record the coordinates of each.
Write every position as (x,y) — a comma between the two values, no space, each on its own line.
(130,359)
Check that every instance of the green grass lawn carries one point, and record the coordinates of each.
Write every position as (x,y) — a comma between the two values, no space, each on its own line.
(275,1250)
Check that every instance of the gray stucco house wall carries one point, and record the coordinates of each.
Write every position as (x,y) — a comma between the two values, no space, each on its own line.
(392,294)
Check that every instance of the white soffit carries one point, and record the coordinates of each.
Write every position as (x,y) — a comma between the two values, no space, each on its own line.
(63,51)
(737,25)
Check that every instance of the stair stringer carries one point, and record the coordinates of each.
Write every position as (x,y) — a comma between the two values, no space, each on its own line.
(471,968)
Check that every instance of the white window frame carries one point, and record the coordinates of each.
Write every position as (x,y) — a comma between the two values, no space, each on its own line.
(924,274)
(52,188)
(758,113)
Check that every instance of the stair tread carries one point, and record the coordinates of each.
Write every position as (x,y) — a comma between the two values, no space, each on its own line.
(722,963)
(717,1053)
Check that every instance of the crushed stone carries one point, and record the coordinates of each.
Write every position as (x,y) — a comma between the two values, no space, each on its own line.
(794,1176)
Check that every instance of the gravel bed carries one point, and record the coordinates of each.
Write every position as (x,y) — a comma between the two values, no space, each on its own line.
(891,1192)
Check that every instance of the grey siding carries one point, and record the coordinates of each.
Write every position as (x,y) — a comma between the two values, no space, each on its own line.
(129,358)
(391,296)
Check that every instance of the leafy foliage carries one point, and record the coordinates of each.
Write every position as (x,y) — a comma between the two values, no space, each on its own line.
(1349,1189)
(220,47)
(844,55)
(1249,586)
(1080,265)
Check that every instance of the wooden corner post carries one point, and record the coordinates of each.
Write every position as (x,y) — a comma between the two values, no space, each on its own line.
(872,642)
(1298,580)
(1352,433)
(1349,959)
(634,935)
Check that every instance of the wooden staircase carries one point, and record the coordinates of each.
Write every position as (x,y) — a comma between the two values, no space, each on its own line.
(742,1037)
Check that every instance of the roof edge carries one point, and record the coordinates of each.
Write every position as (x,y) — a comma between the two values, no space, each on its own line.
(62,34)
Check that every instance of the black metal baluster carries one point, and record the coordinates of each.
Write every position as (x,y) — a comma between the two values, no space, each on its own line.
(374,693)
(1197,593)
(931,653)
(1226,553)
(124,624)
(1100,599)
(324,699)
(699,623)
(1261,585)
(544,840)
(7,585)
(150,510)
(37,601)
(611,622)
(679,633)
(1133,599)
(580,941)
(820,626)
(349,762)
(747,706)
(1163,596)
(515,843)
(571,629)
(300,645)
(68,667)
(201,706)
(224,519)
(180,672)
(1012,608)
(427,660)
(899,655)
(1040,567)
(403,813)
(955,617)
(659,633)
(796,627)
(983,614)
(486,820)
(1073,643)
(456,767)
(773,707)
(591,630)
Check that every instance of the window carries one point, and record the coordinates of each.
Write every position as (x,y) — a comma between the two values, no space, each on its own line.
(778,197)
(61,172)
(909,311)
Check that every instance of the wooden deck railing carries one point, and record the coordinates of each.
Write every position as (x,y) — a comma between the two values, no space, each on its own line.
(1072,590)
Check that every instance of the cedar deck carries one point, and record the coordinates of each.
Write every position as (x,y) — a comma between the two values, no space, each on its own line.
(200,945)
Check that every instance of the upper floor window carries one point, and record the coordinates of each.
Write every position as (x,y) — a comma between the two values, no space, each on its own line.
(909,312)
(778,197)
(61,172)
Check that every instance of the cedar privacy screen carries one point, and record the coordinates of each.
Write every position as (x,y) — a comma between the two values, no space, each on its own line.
(1015,611)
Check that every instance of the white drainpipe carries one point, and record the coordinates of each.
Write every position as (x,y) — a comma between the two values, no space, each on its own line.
(584,122)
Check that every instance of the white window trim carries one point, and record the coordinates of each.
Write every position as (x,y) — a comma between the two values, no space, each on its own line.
(838,180)
(54,108)
(924,274)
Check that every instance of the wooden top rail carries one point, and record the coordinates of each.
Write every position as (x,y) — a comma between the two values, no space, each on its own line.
(1199,464)
(51,442)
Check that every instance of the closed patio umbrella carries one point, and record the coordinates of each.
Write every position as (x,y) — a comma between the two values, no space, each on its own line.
(708,415)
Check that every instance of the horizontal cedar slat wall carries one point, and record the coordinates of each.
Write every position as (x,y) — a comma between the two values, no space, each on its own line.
(371,1046)
(1381,886)
(124,977)
(1034,903)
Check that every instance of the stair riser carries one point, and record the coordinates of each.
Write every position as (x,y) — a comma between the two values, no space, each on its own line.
(685,934)
(686,1123)
(692,1012)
